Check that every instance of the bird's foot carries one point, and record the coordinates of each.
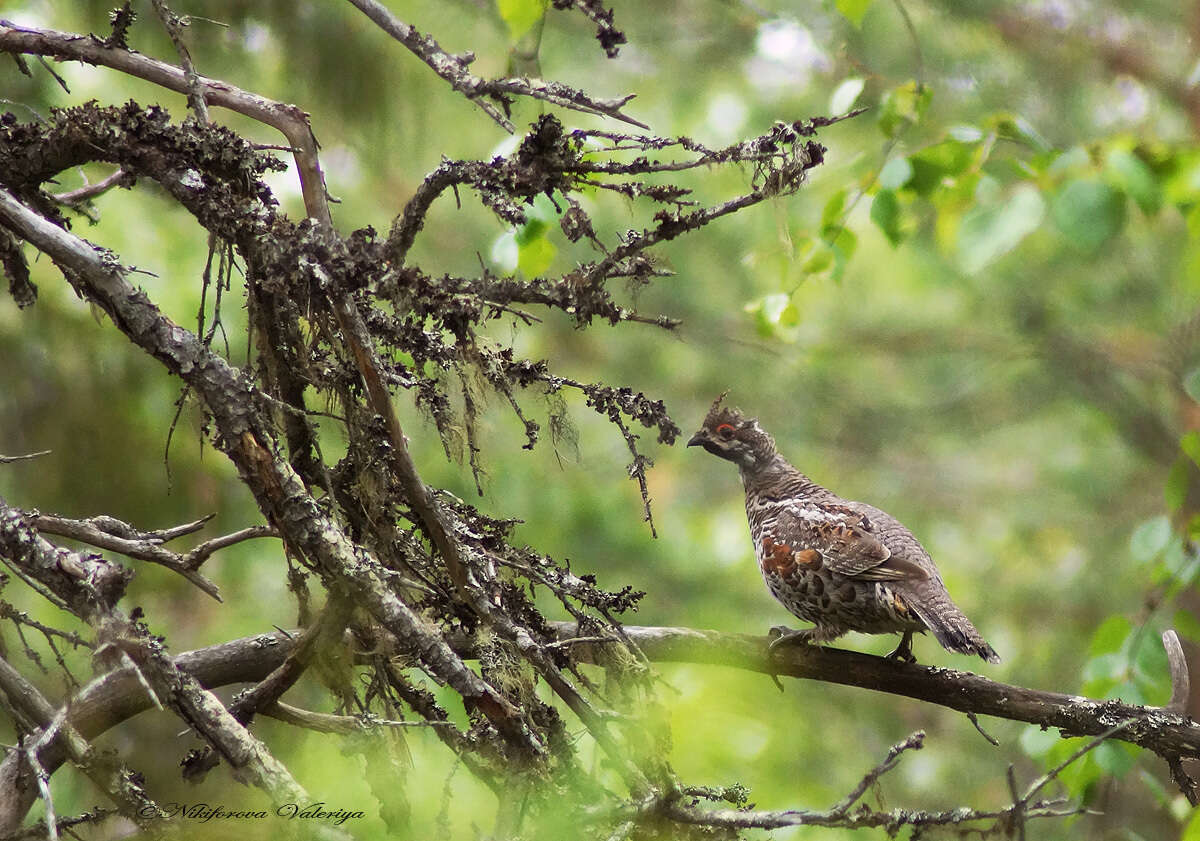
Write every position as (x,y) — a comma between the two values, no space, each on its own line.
(783,635)
(779,635)
(903,652)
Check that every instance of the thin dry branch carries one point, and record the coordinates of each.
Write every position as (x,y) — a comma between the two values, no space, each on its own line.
(76,197)
(343,724)
(291,121)
(174,25)
(26,457)
(1016,814)
(453,68)
(132,544)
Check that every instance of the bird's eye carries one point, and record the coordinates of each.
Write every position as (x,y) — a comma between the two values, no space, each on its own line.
(725,430)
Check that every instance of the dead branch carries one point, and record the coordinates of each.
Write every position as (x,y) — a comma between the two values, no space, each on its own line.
(91,587)
(1158,729)
(132,544)
(453,68)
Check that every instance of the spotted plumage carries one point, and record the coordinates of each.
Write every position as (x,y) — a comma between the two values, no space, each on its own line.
(841,565)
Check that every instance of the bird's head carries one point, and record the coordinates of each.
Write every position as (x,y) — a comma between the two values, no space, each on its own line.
(732,436)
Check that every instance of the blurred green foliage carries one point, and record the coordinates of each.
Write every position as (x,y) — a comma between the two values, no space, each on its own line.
(980,315)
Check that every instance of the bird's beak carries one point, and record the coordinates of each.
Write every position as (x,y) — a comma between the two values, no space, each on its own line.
(697,440)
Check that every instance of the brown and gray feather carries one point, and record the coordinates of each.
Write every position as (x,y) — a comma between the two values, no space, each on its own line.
(841,565)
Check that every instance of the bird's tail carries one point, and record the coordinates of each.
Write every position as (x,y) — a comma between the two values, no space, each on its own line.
(951,627)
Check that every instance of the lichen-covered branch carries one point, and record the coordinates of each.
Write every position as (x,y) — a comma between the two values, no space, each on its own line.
(90,588)
(453,68)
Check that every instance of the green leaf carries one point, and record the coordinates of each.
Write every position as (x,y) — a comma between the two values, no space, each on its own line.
(990,232)
(1128,172)
(964,133)
(1192,832)
(535,256)
(895,174)
(820,260)
(773,306)
(832,214)
(1011,127)
(1177,563)
(1150,669)
(902,107)
(933,164)
(533,229)
(844,243)
(1079,776)
(520,16)
(505,252)
(1190,444)
(1176,487)
(1105,667)
(535,252)
(853,11)
(773,315)
(1110,636)
(845,95)
(1088,212)
(1182,183)
(1150,538)
(1074,159)
(1113,759)
(1037,742)
(885,213)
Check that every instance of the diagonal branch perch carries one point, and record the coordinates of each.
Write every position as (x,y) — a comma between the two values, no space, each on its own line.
(1158,729)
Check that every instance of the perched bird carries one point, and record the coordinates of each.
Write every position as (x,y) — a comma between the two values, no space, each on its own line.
(842,565)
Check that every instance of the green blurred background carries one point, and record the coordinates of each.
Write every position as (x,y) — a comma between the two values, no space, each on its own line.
(980,315)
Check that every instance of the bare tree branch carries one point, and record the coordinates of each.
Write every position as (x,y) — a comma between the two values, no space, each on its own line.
(453,68)
(26,457)
(91,588)
(1155,728)
(76,197)
(288,119)
(138,546)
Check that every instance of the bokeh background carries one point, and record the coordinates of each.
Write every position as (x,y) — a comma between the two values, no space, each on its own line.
(981,315)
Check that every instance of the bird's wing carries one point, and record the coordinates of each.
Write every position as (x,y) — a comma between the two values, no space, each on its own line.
(847,540)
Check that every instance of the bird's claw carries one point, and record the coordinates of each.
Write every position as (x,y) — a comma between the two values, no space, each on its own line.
(903,652)
(778,631)
(783,635)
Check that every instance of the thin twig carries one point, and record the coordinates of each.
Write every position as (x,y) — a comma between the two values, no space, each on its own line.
(1181,690)
(26,457)
(915,741)
(344,724)
(145,547)
(974,719)
(73,198)
(453,68)
(174,26)
(1044,780)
